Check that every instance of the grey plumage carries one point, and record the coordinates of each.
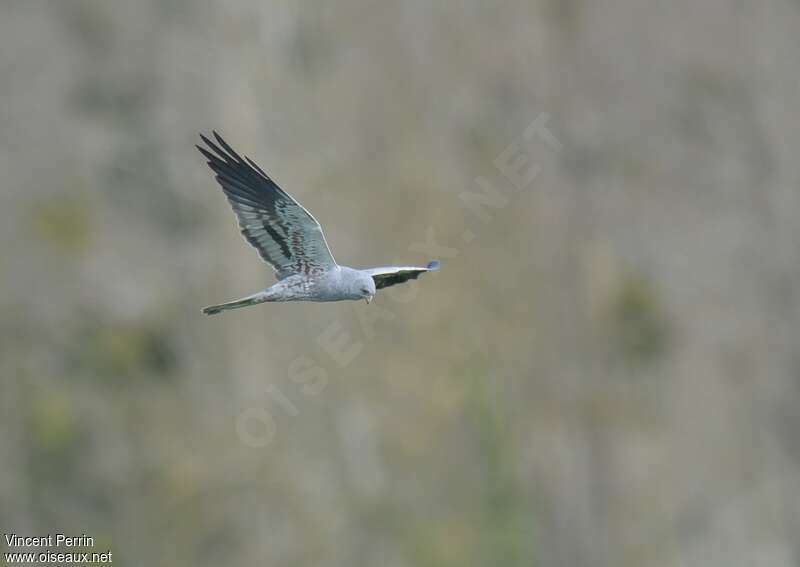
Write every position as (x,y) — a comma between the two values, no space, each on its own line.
(289,239)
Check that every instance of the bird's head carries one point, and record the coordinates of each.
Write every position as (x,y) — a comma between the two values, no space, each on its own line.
(365,287)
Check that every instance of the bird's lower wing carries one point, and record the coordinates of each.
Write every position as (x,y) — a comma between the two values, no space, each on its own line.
(391,275)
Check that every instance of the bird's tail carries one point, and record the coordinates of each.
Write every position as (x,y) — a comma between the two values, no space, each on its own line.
(254,299)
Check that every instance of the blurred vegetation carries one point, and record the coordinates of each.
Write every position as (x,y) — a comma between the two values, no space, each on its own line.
(639,325)
(63,223)
(605,374)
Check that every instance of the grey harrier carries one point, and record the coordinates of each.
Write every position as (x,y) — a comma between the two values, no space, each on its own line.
(290,240)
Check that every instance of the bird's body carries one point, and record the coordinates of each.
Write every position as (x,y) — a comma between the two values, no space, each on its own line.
(290,240)
(337,284)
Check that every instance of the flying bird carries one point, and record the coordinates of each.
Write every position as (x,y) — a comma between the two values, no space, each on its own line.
(290,240)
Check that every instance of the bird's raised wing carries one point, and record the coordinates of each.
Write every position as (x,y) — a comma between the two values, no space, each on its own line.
(391,275)
(286,236)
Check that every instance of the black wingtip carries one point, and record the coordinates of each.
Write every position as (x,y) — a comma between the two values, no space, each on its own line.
(434,265)
(211,158)
(209,146)
(231,152)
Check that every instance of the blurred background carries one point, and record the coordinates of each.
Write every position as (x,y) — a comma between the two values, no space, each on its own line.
(604,373)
